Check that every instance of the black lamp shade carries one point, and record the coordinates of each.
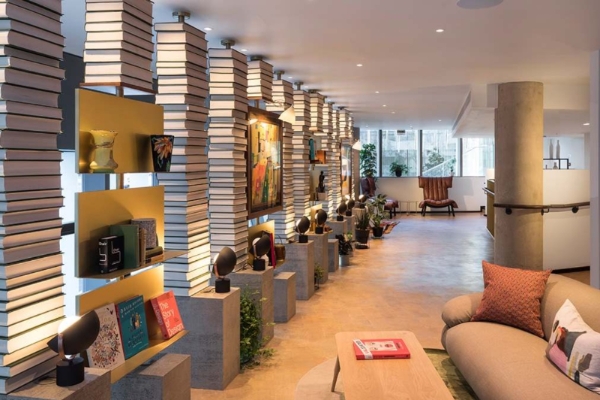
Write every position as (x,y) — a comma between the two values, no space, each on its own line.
(351,203)
(262,246)
(321,217)
(225,262)
(342,208)
(78,337)
(303,225)
(362,198)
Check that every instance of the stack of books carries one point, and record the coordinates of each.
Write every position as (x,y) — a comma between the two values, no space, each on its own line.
(31,280)
(335,160)
(182,91)
(317,101)
(283,98)
(228,204)
(119,45)
(260,80)
(327,144)
(301,154)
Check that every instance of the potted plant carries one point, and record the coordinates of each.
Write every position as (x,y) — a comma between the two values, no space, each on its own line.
(376,211)
(362,226)
(398,169)
(368,160)
(319,274)
(345,248)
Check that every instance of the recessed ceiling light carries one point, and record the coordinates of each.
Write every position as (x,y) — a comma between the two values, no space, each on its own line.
(359,65)
(385,105)
(586,124)
(439,30)
(207,29)
(478,4)
(290,77)
(377,92)
(440,120)
(393,112)
(244,50)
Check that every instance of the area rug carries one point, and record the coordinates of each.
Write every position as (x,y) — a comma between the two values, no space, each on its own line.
(316,383)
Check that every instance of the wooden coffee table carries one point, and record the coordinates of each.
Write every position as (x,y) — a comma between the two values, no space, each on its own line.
(414,378)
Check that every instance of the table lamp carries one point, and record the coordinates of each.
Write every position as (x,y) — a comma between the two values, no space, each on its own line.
(321,218)
(260,247)
(341,210)
(223,265)
(302,227)
(75,335)
(361,201)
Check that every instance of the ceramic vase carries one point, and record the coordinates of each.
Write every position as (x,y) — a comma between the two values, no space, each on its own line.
(102,155)
(551,150)
(162,152)
(558,149)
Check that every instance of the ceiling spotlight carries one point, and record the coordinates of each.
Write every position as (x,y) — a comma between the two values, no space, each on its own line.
(385,105)
(244,50)
(377,91)
(359,65)
(393,112)
(440,120)
(586,124)
(439,30)
(290,77)
(478,4)
(207,29)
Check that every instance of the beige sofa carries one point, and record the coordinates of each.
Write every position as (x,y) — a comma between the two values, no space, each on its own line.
(505,363)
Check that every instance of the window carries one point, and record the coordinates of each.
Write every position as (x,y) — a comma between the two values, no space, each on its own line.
(477,155)
(372,137)
(402,149)
(439,154)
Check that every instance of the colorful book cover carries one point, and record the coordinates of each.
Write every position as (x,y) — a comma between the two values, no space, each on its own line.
(131,235)
(375,349)
(167,314)
(134,328)
(107,350)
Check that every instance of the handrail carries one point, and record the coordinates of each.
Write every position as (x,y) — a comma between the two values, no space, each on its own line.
(544,208)
(488,191)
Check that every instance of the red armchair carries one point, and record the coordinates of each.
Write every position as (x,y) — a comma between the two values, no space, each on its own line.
(435,194)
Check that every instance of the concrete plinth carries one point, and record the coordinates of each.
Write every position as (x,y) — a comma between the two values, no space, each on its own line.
(285,296)
(334,255)
(519,177)
(168,378)
(213,341)
(338,227)
(300,258)
(260,286)
(321,252)
(351,221)
(96,386)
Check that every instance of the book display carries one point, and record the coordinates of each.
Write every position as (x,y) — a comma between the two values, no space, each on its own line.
(31,280)
(227,153)
(260,79)
(301,154)
(167,314)
(283,100)
(119,47)
(182,91)
(326,138)
(335,160)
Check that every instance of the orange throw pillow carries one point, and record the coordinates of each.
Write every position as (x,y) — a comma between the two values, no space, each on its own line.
(512,297)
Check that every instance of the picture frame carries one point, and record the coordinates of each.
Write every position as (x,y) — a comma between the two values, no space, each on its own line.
(265,163)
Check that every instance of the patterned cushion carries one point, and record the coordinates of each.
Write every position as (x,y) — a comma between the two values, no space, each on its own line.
(512,297)
(574,347)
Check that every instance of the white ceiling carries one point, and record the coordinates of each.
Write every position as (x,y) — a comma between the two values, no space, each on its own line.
(422,76)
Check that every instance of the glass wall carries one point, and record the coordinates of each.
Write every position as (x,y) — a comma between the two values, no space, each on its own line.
(401,148)
(440,154)
(477,156)
(371,137)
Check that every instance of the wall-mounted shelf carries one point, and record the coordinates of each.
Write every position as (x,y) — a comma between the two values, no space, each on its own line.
(560,162)
(167,255)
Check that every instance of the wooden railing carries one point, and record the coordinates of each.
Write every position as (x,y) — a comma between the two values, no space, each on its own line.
(543,208)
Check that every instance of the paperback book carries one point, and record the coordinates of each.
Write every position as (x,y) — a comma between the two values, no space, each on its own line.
(107,351)
(133,326)
(167,314)
(376,349)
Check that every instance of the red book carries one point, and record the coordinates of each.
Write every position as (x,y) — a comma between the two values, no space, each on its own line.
(376,349)
(167,314)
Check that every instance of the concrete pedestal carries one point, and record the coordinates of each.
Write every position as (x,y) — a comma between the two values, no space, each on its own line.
(96,386)
(213,341)
(351,221)
(285,296)
(334,255)
(338,227)
(166,379)
(260,286)
(321,252)
(300,258)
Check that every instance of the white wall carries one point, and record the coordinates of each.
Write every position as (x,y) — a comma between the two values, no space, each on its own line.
(566,235)
(466,191)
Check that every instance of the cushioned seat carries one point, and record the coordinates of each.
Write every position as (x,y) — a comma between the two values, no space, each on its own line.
(435,194)
(392,206)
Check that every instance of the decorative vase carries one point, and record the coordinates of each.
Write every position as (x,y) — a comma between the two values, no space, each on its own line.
(344,260)
(557,148)
(362,236)
(102,155)
(398,173)
(551,155)
(378,231)
(162,152)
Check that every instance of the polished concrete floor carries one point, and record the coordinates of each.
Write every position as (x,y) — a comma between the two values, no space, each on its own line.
(400,283)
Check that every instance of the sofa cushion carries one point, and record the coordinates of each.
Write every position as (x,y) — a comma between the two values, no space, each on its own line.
(460,309)
(574,347)
(501,363)
(512,296)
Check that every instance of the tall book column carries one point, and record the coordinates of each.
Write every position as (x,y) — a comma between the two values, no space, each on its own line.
(227,154)
(32,304)
(317,102)
(283,98)
(327,145)
(301,155)
(260,79)
(335,159)
(182,91)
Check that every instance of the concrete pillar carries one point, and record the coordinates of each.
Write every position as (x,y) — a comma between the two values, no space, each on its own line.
(595,168)
(519,175)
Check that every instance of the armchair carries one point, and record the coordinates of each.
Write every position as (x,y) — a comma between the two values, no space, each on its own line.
(435,194)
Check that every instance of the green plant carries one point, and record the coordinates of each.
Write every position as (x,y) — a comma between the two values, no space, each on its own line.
(368,160)
(344,246)
(362,220)
(397,168)
(319,274)
(251,323)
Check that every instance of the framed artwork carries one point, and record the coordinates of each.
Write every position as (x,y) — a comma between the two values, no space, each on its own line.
(265,171)
(346,172)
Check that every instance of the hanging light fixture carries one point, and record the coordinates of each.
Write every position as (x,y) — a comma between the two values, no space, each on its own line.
(357,145)
(289,115)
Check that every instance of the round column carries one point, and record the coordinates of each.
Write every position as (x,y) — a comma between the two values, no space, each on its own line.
(519,139)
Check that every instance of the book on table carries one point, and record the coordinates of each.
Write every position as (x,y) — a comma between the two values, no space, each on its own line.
(377,349)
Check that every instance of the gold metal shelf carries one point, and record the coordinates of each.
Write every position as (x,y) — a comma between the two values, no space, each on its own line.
(167,255)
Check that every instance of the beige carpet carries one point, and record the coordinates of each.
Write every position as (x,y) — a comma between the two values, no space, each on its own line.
(316,384)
